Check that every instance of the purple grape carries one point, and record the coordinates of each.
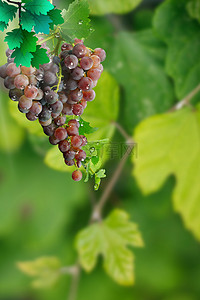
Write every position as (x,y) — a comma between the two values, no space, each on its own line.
(71,62)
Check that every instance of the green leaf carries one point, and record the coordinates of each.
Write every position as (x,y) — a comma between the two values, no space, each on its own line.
(22,59)
(29,42)
(45,269)
(95,159)
(104,109)
(39,57)
(98,176)
(27,20)
(110,238)
(141,73)
(76,20)
(14,38)
(42,23)
(38,6)
(169,144)
(181,34)
(85,127)
(193,8)
(113,6)
(3,26)
(56,16)
(7,12)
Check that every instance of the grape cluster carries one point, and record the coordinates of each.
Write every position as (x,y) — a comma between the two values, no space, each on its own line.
(58,89)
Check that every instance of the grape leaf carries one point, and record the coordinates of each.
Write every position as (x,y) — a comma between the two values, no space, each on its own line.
(40,57)
(76,20)
(193,8)
(114,6)
(45,269)
(165,142)
(7,12)
(22,59)
(85,127)
(27,20)
(42,23)
(181,34)
(56,16)
(3,26)
(29,42)
(110,238)
(38,6)
(98,176)
(14,38)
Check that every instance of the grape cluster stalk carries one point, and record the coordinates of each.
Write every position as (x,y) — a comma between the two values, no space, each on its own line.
(61,88)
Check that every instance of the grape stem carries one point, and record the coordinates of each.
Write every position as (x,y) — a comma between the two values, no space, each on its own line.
(19,5)
(59,78)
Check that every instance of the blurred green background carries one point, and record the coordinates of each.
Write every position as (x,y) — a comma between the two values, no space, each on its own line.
(41,209)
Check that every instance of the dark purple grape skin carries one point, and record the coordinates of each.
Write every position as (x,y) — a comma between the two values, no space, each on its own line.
(50,78)
(56,60)
(60,133)
(53,140)
(51,97)
(15,94)
(23,111)
(67,109)
(50,129)
(85,84)
(81,155)
(69,155)
(69,163)
(76,141)
(74,122)
(57,107)
(60,121)
(64,53)
(36,108)
(3,73)
(72,130)
(45,115)
(64,146)
(76,95)
(31,117)
(66,46)
(77,73)
(79,50)
(77,109)
(62,97)
(9,83)
(71,61)
(70,85)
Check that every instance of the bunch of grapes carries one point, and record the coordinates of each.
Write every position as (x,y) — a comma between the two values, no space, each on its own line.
(58,89)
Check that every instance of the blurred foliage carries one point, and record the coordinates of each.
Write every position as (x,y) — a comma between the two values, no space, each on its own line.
(148,67)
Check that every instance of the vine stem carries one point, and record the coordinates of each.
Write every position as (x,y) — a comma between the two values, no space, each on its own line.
(186,100)
(19,5)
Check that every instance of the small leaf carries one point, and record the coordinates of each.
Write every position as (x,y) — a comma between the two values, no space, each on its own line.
(38,6)
(85,127)
(27,21)
(45,269)
(39,57)
(76,20)
(22,59)
(29,42)
(110,238)
(101,173)
(14,38)
(3,26)
(95,159)
(56,16)
(42,23)
(7,12)
(98,176)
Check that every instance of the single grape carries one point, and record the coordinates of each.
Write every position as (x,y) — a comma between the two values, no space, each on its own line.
(46,66)
(74,122)
(77,109)
(63,54)
(15,94)
(3,73)
(57,107)
(50,129)
(85,83)
(45,115)
(69,163)
(81,155)
(79,50)
(25,103)
(69,155)
(9,83)
(56,60)
(77,73)
(60,121)
(51,97)
(100,53)
(71,61)
(77,175)
(24,111)
(28,71)
(46,123)
(72,130)
(33,80)
(40,95)
(54,68)
(50,78)
(12,70)
(47,90)
(62,97)
(76,141)
(31,91)
(55,115)
(66,46)
(76,95)
(60,133)
(67,109)
(94,74)
(89,96)
(96,61)
(36,108)
(53,140)
(70,85)
(21,81)
(64,146)
(31,117)
(86,63)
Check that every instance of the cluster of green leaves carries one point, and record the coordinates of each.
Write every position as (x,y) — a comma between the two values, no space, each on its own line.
(39,15)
